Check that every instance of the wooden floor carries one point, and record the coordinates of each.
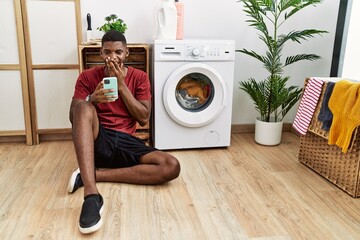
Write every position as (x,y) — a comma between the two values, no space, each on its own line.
(246,191)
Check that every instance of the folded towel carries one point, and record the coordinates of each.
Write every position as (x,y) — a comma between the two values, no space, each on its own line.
(325,115)
(307,105)
(344,103)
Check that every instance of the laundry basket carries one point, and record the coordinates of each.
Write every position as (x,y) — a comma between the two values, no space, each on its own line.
(342,169)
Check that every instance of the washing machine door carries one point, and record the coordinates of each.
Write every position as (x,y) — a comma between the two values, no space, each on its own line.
(194,95)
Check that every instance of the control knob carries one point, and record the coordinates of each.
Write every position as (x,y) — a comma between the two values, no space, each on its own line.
(195,52)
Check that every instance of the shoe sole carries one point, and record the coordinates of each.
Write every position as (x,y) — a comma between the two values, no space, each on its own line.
(71,183)
(94,228)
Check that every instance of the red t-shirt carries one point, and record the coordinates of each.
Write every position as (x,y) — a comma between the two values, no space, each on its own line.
(114,115)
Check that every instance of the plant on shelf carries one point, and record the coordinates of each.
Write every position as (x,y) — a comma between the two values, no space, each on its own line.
(272,97)
(113,23)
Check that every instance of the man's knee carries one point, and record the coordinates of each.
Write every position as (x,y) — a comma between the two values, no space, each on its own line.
(83,110)
(172,168)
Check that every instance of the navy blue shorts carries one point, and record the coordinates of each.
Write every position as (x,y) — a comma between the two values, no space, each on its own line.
(114,149)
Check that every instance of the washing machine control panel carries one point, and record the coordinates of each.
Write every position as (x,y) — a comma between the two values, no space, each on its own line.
(208,52)
(195,52)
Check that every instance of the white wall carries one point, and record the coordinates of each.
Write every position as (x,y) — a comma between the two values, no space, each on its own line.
(225,20)
(349,65)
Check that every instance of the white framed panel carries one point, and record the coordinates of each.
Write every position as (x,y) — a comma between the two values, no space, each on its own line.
(350,68)
(9,53)
(11,101)
(53,36)
(54,90)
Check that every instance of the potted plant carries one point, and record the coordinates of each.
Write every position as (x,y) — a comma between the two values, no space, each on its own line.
(272,97)
(113,23)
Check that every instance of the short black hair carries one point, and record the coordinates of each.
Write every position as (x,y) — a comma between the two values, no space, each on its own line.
(113,36)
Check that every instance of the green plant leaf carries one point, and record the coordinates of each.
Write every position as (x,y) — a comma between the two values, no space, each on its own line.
(113,17)
(297,5)
(299,57)
(113,23)
(297,36)
(253,54)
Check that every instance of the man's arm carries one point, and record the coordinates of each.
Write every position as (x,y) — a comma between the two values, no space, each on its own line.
(139,109)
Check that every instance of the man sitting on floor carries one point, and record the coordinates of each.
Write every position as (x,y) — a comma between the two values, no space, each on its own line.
(102,129)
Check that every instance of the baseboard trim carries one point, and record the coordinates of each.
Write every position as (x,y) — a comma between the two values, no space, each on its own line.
(42,137)
(10,139)
(250,128)
(66,134)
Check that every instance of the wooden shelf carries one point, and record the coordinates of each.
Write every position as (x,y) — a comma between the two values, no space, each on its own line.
(89,56)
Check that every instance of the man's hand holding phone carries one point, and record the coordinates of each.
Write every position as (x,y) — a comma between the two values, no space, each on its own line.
(110,88)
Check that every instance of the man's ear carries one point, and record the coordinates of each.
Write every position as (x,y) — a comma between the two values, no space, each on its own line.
(127,52)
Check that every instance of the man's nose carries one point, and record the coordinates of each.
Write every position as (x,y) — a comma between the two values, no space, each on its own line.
(113,55)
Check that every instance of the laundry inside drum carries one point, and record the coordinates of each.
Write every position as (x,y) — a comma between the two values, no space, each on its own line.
(194,92)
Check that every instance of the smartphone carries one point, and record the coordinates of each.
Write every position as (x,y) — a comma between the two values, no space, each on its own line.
(111,83)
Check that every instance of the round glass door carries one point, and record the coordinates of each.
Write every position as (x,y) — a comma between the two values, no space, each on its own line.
(194,92)
(194,95)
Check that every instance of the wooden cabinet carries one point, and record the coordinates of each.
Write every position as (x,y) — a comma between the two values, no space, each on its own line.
(89,56)
(138,56)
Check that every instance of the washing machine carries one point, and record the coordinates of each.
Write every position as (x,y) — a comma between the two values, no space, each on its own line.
(192,93)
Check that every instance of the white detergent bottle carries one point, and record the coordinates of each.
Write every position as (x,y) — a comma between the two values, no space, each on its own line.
(166,20)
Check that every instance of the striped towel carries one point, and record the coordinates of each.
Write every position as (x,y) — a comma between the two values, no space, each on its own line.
(307,105)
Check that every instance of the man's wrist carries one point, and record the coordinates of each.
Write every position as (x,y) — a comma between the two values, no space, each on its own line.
(88,97)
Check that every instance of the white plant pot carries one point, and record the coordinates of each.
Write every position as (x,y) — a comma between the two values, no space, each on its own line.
(268,133)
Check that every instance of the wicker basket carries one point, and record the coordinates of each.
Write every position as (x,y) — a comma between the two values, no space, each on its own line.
(342,169)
